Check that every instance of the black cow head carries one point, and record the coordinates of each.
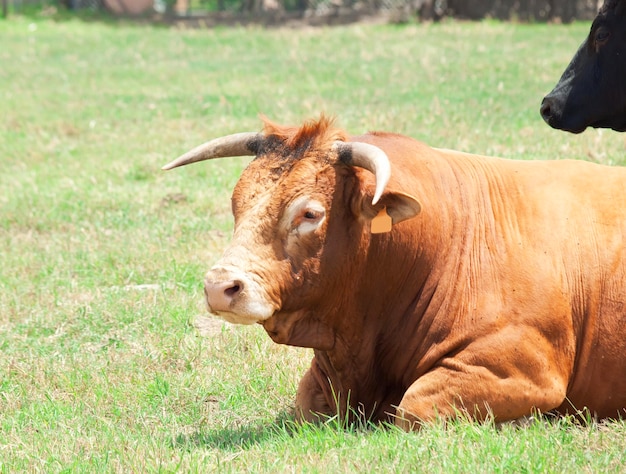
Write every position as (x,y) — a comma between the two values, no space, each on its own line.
(592,90)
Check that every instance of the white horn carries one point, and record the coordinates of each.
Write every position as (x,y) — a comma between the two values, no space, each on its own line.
(368,157)
(238,144)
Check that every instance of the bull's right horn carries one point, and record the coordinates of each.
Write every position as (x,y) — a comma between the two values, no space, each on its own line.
(237,144)
(368,157)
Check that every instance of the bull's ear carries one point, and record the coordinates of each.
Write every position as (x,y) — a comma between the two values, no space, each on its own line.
(391,209)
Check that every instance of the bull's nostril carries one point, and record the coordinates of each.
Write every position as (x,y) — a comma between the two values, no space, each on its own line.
(221,295)
(233,290)
(546,113)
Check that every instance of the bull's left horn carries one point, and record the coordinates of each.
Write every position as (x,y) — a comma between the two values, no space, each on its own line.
(237,144)
(368,157)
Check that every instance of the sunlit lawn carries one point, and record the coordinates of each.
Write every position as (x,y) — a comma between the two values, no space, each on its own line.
(102,254)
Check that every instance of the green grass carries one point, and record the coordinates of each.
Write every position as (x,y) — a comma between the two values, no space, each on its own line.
(102,254)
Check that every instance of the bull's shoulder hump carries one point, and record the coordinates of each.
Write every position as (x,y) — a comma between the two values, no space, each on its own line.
(383,139)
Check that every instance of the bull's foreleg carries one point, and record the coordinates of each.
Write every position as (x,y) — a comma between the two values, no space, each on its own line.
(455,388)
(312,403)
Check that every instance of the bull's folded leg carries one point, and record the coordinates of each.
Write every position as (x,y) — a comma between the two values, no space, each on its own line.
(455,390)
(311,402)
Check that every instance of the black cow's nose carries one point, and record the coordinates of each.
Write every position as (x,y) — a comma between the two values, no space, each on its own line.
(546,110)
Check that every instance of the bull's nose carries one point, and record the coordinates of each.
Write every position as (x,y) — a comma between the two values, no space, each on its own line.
(221,294)
(546,110)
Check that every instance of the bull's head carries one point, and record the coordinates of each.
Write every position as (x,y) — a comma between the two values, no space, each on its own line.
(592,90)
(301,210)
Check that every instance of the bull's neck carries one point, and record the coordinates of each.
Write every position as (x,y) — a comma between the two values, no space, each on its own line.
(371,322)
(403,285)
(402,268)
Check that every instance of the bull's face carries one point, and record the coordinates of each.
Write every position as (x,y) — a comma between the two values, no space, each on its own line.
(302,213)
(273,261)
(592,90)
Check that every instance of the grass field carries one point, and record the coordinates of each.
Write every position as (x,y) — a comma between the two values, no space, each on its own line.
(102,255)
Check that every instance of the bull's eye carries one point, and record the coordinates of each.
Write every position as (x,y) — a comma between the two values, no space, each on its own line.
(312,215)
(602,36)
(304,215)
(309,220)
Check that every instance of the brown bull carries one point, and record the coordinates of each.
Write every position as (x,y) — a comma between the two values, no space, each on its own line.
(499,290)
